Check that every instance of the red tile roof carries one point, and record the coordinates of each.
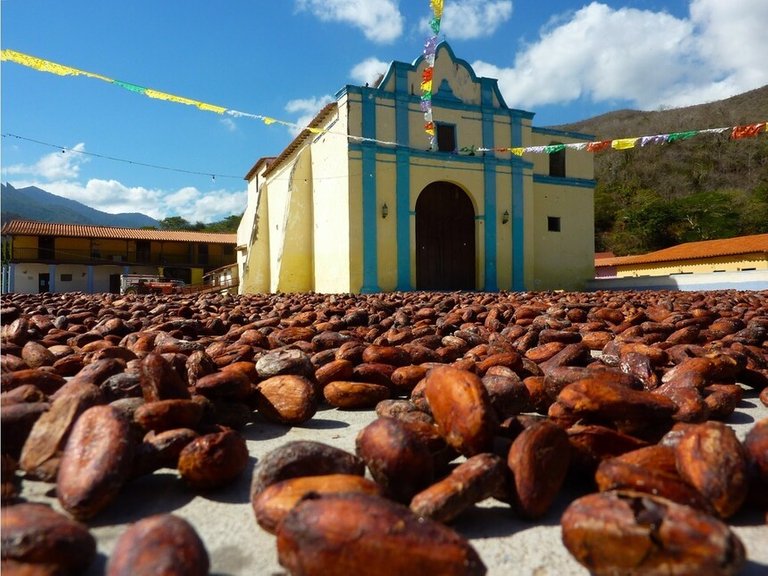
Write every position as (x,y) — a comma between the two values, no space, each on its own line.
(34,228)
(694,251)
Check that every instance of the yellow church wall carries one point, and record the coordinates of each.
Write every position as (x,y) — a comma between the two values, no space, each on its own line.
(504,230)
(386,228)
(385,120)
(578,163)
(295,262)
(462,83)
(259,275)
(563,259)
(253,264)
(277,204)
(502,136)
(330,205)
(755,261)
(355,222)
(529,236)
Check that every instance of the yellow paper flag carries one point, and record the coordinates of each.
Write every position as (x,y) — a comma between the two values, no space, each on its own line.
(437,7)
(46,65)
(181,100)
(624,143)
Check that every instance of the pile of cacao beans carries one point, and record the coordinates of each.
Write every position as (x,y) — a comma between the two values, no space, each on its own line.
(623,398)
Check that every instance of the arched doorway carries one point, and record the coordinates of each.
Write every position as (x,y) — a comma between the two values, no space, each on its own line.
(445,238)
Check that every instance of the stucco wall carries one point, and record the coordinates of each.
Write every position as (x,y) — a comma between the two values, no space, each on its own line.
(750,280)
(331,208)
(244,232)
(700,266)
(295,258)
(563,259)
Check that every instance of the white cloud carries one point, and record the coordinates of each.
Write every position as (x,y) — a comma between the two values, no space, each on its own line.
(229,124)
(53,166)
(368,71)
(731,39)
(469,19)
(59,176)
(307,108)
(379,20)
(651,59)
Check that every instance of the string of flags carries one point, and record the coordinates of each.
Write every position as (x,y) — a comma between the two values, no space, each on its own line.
(735,132)
(61,70)
(430,51)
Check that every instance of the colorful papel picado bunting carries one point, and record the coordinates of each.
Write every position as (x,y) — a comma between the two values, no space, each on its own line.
(734,132)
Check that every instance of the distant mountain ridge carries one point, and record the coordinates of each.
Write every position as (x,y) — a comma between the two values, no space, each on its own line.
(703,188)
(33,203)
(746,108)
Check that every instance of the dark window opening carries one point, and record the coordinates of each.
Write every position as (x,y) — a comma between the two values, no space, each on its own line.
(66,277)
(446,137)
(202,252)
(46,247)
(557,163)
(142,250)
(553,223)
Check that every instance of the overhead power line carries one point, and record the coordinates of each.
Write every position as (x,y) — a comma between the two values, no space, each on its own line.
(213,175)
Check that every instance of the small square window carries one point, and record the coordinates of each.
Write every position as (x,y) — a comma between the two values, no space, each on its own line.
(553,223)
(446,137)
(66,277)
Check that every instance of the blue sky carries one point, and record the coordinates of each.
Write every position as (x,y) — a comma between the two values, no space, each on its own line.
(564,60)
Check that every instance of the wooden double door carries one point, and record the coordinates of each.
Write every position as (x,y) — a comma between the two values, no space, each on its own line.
(445,238)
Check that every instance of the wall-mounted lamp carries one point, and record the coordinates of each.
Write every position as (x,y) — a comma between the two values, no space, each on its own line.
(505,217)
(384,210)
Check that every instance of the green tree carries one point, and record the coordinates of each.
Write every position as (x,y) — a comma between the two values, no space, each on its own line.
(709,215)
(175,223)
(645,223)
(228,225)
(754,216)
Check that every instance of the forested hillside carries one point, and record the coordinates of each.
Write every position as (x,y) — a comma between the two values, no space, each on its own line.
(705,187)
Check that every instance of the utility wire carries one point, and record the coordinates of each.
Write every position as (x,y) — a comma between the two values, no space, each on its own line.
(124,160)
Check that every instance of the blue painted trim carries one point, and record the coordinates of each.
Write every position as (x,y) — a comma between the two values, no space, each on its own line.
(402,178)
(518,230)
(52,277)
(478,159)
(489,179)
(445,92)
(403,213)
(565,133)
(89,278)
(397,68)
(558,181)
(11,287)
(370,237)
(516,134)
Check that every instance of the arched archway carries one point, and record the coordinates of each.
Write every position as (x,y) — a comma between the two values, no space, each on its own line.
(445,238)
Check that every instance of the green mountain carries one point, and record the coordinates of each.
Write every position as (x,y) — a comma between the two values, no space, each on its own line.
(706,187)
(32,203)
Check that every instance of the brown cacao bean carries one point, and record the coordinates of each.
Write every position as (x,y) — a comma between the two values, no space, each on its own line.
(358,533)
